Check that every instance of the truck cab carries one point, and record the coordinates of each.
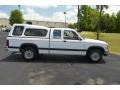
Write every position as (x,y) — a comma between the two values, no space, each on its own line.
(66,41)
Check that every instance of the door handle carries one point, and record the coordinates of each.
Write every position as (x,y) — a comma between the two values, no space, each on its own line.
(64,41)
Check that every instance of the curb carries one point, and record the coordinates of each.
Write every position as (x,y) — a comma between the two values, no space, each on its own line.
(115,53)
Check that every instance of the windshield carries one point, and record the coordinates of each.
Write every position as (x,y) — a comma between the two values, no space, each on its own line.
(81,37)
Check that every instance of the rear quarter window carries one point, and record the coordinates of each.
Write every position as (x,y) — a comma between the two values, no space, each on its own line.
(35,32)
(18,30)
(57,34)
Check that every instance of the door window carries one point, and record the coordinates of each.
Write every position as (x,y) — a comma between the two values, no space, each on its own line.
(70,35)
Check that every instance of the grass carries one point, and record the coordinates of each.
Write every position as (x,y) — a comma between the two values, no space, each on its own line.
(113,39)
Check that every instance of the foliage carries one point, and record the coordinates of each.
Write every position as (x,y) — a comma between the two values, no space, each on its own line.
(73,26)
(108,23)
(118,22)
(100,9)
(16,17)
(89,20)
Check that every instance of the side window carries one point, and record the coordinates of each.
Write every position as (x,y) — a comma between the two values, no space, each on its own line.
(35,32)
(18,30)
(70,35)
(57,34)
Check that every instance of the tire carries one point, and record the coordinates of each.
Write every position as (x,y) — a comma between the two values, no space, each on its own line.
(95,55)
(29,53)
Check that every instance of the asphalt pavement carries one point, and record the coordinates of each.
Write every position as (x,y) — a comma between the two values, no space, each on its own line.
(56,70)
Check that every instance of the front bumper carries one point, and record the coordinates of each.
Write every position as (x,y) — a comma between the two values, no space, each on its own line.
(106,53)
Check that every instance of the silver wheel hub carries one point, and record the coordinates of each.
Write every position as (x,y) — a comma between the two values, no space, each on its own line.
(95,56)
(29,54)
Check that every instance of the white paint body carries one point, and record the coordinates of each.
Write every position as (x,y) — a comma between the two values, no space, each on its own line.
(72,47)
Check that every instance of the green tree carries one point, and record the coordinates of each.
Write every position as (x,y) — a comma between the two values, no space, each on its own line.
(104,22)
(88,18)
(72,26)
(111,24)
(78,20)
(100,8)
(16,17)
(83,17)
(108,23)
(118,22)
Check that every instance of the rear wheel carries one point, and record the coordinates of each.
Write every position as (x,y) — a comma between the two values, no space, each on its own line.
(29,53)
(95,55)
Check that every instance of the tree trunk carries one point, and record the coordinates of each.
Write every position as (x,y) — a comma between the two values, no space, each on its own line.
(78,22)
(99,22)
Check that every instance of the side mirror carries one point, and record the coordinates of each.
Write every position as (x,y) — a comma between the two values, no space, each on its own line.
(77,38)
(80,39)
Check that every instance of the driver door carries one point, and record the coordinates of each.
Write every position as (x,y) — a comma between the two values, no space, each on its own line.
(72,44)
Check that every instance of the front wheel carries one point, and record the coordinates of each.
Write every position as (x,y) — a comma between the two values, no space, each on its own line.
(95,55)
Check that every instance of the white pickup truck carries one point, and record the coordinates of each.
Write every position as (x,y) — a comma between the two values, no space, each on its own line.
(32,40)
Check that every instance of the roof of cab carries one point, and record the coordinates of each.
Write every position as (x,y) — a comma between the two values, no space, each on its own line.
(64,29)
(31,26)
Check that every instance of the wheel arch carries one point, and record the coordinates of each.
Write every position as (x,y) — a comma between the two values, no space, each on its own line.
(28,45)
(95,47)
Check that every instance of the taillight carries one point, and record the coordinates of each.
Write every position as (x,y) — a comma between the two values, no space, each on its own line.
(7,43)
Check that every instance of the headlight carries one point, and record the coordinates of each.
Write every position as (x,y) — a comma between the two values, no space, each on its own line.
(107,48)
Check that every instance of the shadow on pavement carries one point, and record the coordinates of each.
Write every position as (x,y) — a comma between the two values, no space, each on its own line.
(50,59)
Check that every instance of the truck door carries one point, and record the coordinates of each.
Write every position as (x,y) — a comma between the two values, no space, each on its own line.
(55,41)
(72,44)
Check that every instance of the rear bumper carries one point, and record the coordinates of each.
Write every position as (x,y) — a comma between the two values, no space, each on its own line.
(12,49)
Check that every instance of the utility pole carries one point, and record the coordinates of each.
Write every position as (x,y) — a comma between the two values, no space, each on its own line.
(65,18)
(78,20)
